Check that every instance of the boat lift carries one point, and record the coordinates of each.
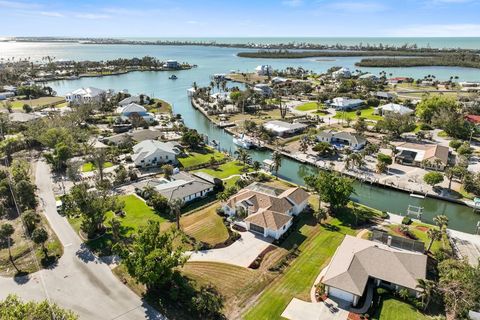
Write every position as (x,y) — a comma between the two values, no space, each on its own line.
(415,211)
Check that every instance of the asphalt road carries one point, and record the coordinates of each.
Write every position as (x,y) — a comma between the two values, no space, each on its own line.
(79,281)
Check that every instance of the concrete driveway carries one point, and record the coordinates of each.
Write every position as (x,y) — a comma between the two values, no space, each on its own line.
(301,310)
(241,253)
(79,281)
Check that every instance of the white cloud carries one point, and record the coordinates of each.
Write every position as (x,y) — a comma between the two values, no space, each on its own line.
(292,3)
(438,30)
(358,6)
(51,14)
(192,22)
(92,16)
(17,5)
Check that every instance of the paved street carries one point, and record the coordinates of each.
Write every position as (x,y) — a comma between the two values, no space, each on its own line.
(80,281)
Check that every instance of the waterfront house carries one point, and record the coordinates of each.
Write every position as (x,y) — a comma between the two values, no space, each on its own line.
(345,104)
(359,265)
(132,99)
(278,80)
(130,109)
(85,95)
(430,156)
(470,86)
(393,108)
(284,129)
(368,76)
(264,70)
(263,89)
(149,153)
(171,64)
(181,185)
(341,139)
(267,210)
(342,73)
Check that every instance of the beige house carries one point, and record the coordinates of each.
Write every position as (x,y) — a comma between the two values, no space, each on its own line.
(359,265)
(267,210)
(430,156)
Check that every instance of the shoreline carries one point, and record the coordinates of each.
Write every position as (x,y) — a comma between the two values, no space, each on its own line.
(350,174)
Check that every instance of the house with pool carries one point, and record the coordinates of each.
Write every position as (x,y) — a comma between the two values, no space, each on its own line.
(267,210)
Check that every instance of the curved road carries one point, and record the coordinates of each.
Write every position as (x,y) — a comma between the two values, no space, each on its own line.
(80,281)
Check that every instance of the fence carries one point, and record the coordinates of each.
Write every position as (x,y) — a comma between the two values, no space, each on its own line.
(398,242)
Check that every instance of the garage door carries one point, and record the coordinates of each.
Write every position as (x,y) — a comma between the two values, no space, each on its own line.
(256,228)
(340,294)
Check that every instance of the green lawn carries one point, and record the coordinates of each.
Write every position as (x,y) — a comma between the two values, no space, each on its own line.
(317,245)
(195,158)
(309,106)
(40,102)
(392,308)
(226,170)
(205,225)
(366,113)
(89,166)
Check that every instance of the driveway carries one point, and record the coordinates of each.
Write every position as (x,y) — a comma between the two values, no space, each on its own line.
(241,253)
(301,310)
(80,281)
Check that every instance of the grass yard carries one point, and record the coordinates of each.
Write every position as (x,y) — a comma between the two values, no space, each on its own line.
(226,170)
(392,308)
(89,166)
(317,244)
(40,102)
(205,225)
(309,106)
(165,107)
(366,113)
(235,284)
(195,158)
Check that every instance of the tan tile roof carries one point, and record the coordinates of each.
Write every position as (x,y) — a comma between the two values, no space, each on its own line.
(297,195)
(269,219)
(432,151)
(356,260)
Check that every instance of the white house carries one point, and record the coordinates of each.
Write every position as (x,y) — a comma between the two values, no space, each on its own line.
(393,108)
(282,128)
(267,210)
(358,265)
(263,89)
(133,99)
(149,153)
(264,70)
(85,95)
(342,73)
(339,139)
(133,108)
(342,103)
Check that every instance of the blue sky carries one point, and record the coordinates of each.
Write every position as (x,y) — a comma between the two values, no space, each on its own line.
(249,18)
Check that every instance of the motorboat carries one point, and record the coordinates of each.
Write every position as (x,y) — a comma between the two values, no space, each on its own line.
(173,77)
(243,141)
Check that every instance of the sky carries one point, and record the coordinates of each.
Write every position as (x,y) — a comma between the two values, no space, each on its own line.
(240,18)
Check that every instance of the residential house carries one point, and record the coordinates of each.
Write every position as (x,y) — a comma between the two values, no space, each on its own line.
(85,95)
(341,139)
(470,86)
(171,64)
(474,119)
(382,95)
(342,73)
(7,94)
(133,99)
(267,210)
(277,80)
(151,153)
(368,76)
(359,265)
(182,185)
(130,109)
(393,108)
(431,156)
(263,89)
(264,70)
(283,129)
(345,104)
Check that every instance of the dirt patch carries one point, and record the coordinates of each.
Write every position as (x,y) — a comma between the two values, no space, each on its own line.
(422,228)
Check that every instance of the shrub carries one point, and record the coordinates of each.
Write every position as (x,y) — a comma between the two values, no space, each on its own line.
(425,126)
(384,215)
(407,221)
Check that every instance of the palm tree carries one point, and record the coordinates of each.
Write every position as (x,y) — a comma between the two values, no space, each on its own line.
(98,158)
(304,144)
(243,156)
(176,210)
(428,289)
(277,162)
(441,221)
(434,235)
(256,166)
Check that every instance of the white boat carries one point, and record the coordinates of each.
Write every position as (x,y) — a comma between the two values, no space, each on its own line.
(243,141)
(417,196)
